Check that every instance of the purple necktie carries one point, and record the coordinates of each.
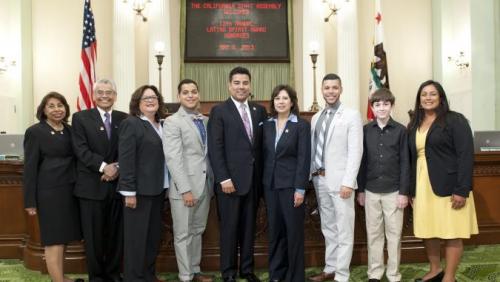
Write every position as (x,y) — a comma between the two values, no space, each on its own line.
(107,124)
(246,121)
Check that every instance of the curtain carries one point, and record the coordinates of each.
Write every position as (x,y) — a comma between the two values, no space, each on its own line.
(213,78)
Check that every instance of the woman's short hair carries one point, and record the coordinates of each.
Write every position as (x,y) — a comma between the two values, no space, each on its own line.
(40,114)
(293,97)
(135,100)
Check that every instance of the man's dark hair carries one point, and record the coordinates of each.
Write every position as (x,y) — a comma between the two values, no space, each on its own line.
(239,70)
(186,81)
(332,76)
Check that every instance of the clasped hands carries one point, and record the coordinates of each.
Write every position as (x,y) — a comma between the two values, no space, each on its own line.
(110,172)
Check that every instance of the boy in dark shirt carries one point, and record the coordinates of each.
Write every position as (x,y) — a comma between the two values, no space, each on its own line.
(383,182)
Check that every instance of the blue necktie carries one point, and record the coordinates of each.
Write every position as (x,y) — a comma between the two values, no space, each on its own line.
(201,128)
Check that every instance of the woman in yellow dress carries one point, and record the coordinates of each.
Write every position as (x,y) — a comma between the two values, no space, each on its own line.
(442,157)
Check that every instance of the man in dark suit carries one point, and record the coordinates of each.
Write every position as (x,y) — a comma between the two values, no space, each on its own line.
(234,147)
(95,142)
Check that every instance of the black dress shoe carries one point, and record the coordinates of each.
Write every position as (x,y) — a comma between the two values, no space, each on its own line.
(250,277)
(229,279)
(437,278)
(274,280)
(78,280)
(115,279)
(373,280)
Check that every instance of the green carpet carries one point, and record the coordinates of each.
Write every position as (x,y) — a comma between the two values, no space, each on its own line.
(479,263)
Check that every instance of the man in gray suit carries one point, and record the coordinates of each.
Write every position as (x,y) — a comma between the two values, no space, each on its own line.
(184,145)
(336,151)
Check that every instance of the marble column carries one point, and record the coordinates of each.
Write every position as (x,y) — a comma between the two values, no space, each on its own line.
(313,31)
(123,53)
(348,53)
(160,31)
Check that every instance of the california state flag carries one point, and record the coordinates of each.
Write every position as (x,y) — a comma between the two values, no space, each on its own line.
(379,75)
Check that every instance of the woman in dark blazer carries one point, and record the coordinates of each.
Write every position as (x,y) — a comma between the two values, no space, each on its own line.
(143,180)
(442,156)
(287,152)
(49,178)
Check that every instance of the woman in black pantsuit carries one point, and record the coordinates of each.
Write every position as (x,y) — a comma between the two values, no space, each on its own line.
(143,179)
(287,153)
(49,177)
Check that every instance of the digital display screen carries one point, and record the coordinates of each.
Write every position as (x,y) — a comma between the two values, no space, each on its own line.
(236,30)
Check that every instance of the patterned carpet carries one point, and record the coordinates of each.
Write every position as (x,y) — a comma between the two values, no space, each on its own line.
(480,263)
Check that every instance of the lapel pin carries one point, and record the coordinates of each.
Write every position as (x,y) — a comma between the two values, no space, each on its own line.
(101,128)
(52,132)
(286,130)
(254,108)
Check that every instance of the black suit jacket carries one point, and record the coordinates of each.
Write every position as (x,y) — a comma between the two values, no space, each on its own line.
(287,165)
(231,153)
(48,160)
(449,151)
(92,147)
(142,162)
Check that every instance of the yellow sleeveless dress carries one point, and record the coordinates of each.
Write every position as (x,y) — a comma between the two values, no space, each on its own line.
(433,216)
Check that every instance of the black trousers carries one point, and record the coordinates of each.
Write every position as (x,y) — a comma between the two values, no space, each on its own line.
(286,236)
(143,228)
(102,226)
(237,228)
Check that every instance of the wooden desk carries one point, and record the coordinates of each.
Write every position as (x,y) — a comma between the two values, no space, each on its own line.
(20,236)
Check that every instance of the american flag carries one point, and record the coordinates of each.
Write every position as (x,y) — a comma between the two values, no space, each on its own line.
(88,55)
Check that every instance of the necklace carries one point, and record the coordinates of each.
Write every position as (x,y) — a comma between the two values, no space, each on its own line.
(59,128)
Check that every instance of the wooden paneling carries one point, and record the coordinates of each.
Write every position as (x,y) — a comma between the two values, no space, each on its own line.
(20,236)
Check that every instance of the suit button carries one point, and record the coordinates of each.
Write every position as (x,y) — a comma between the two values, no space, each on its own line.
(203,171)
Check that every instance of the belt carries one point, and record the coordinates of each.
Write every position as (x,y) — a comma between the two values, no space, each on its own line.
(320,171)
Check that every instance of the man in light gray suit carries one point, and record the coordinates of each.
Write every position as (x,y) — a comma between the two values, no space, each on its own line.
(184,145)
(337,149)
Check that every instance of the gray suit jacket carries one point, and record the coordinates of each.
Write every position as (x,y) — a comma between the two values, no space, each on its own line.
(343,148)
(186,156)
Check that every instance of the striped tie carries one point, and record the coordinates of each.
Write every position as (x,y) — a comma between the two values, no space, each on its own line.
(246,121)
(320,141)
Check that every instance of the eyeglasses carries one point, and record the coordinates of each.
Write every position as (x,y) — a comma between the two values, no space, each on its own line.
(149,98)
(104,92)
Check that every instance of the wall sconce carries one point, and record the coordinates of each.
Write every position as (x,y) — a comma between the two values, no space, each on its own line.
(334,6)
(138,6)
(159,48)
(5,64)
(314,46)
(459,61)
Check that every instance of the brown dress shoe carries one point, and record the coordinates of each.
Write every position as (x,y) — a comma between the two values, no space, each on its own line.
(323,276)
(199,277)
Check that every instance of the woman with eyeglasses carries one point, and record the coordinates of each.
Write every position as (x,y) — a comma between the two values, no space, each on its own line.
(143,180)
(49,178)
